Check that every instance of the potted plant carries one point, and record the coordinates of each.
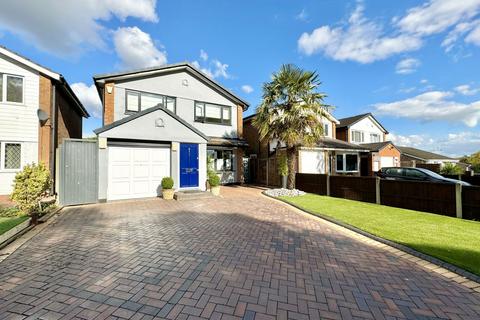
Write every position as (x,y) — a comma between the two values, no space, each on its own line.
(214,182)
(283,169)
(167,188)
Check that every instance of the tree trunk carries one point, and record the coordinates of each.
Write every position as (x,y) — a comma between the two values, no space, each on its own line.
(291,158)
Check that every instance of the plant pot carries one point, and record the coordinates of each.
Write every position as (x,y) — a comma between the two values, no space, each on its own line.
(284,182)
(167,194)
(215,190)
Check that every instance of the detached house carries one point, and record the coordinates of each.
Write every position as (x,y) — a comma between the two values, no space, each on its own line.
(329,155)
(166,121)
(413,156)
(367,132)
(28,135)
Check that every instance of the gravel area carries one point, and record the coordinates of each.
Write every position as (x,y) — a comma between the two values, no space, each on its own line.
(284,192)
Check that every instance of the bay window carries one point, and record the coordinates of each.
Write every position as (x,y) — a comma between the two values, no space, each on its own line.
(347,162)
(220,160)
(11,88)
(213,113)
(137,101)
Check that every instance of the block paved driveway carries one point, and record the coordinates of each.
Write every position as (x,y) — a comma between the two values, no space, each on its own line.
(243,256)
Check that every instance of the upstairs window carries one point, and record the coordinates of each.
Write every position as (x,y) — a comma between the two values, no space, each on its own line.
(357,136)
(213,113)
(136,101)
(11,88)
(325,129)
(374,137)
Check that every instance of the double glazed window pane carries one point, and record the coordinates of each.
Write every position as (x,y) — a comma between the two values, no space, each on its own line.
(171,104)
(222,159)
(151,100)
(1,87)
(212,113)
(13,155)
(14,89)
(339,162)
(351,161)
(133,101)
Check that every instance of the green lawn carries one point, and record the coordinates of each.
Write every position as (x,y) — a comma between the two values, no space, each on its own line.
(8,223)
(449,239)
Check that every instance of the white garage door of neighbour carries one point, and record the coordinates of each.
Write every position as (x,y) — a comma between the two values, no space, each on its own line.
(312,161)
(136,172)
(387,162)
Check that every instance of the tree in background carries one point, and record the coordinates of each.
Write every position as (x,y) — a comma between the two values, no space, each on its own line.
(291,112)
(473,160)
(451,169)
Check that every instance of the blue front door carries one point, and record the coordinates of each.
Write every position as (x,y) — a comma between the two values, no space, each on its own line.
(188,165)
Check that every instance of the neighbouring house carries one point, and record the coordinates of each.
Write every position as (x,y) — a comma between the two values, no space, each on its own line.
(329,155)
(27,135)
(366,131)
(166,121)
(413,157)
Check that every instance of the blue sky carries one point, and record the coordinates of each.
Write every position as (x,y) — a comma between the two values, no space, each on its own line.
(414,64)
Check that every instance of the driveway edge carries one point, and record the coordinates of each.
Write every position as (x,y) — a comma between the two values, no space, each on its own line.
(446,269)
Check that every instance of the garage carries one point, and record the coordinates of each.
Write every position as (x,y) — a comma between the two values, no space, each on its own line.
(387,162)
(311,161)
(136,172)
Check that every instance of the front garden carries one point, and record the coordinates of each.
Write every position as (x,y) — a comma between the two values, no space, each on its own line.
(450,239)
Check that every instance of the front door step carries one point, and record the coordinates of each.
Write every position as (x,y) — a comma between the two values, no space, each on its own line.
(192,195)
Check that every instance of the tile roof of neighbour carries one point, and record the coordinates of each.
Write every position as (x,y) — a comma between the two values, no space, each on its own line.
(348,122)
(422,154)
(376,146)
(100,78)
(330,143)
(233,142)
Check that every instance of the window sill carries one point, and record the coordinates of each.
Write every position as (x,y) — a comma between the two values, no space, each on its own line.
(19,104)
(217,124)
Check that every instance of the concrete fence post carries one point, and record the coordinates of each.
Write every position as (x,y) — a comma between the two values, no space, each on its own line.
(328,185)
(458,200)
(377,191)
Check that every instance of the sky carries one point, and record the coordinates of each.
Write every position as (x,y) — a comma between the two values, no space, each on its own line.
(413,64)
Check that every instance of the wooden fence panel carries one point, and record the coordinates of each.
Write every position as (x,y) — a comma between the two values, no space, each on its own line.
(353,188)
(473,180)
(435,167)
(273,176)
(312,183)
(422,196)
(471,202)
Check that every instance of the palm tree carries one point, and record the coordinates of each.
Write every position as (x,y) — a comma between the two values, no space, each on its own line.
(291,112)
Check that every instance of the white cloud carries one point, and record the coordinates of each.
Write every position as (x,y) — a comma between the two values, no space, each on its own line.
(88,95)
(432,106)
(424,81)
(203,55)
(359,40)
(213,69)
(452,144)
(407,66)
(68,27)
(247,89)
(467,90)
(302,15)
(136,49)
(363,40)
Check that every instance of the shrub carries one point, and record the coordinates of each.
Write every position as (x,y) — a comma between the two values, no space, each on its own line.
(451,169)
(214,180)
(31,185)
(282,165)
(167,183)
(10,212)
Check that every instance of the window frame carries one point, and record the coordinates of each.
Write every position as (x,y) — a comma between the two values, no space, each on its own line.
(326,129)
(375,135)
(139,93)
(215,158)
(222,108)
(3,97)
(3,154)
(362,136)
(344,162)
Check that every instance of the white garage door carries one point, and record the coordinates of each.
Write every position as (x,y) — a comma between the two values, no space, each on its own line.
(312,161)
(387,162)
(136,172)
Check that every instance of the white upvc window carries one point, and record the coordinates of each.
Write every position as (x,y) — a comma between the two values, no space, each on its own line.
(358,136)
(325,129)
(11,88)
(374,137)
(347,162)
(10,156)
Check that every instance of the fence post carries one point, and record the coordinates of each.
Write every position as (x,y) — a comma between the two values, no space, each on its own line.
(328,185)
(267,170)
(377,191)
(458,200)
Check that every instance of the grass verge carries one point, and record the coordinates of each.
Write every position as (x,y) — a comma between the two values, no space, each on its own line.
(450,239)
(8,223)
